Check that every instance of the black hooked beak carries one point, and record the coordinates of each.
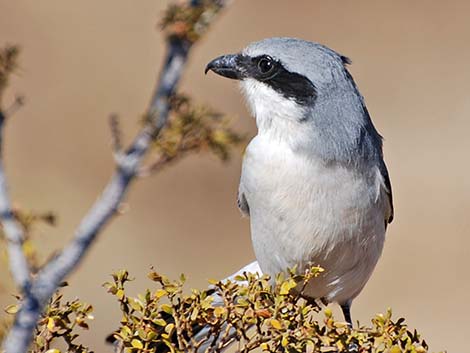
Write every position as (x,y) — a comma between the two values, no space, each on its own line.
(229,66)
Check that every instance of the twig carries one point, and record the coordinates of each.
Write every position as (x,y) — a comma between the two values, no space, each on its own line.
(116,133)
(162,161)
(15,106)
(37,292)
(155,166)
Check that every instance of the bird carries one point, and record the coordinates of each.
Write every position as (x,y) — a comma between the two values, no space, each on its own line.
(313,180)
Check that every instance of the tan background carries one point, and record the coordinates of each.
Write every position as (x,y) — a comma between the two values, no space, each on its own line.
(83,60)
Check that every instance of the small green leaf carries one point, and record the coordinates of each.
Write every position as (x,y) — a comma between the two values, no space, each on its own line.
(219,311)
(276,324)
(126,332)
(264,346)
(51,324)
(12,309)
(328,312)
(213,281)
(137,343)
(287,286)
(142,334)
(120,294)
(159,322)
(169,328)
(309,347)
(135,304)
(167,309)
(151,335)
(160,293)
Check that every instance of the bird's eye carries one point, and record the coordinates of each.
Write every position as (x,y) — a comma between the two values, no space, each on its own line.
(265,64)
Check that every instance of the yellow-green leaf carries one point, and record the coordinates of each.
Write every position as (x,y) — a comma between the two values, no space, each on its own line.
(264,346)
(159,322)
(120,294)
(50,324)
(142,334)
(219,311)
(328,312)
(310,346)
(276,324)
(12,309)
(137,344)
(160,293)
(126,331)
(135,304)
(287,286)
(169,328)
(167,308)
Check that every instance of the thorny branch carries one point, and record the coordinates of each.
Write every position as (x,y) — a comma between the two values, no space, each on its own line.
(183,25)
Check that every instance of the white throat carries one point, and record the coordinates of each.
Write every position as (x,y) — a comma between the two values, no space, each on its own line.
(275,114)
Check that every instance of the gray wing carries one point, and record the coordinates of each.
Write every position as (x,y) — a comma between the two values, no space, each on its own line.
(243,203)
(388,190)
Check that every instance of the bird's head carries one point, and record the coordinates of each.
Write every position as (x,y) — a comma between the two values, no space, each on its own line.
(292,84)
(284,71)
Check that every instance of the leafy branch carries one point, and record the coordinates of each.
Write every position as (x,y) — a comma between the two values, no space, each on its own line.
(193,129)
(37,291)
(250,311)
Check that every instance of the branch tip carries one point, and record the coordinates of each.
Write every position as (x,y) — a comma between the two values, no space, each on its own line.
(17,104)
(116,133)
(123,208)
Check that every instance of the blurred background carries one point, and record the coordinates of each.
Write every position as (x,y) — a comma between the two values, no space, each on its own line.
(81,61)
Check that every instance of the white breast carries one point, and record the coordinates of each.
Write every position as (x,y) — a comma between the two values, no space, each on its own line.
(305,213)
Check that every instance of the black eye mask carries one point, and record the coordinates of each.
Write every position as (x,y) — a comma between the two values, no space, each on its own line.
(271,72)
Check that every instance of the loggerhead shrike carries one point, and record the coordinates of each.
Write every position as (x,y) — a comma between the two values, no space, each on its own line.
(313,181)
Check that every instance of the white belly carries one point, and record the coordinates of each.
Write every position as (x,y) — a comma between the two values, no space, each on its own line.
(306,213)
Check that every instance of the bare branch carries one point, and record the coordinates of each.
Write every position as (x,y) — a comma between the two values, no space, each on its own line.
(14,235)
(11,227)
(37,293)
